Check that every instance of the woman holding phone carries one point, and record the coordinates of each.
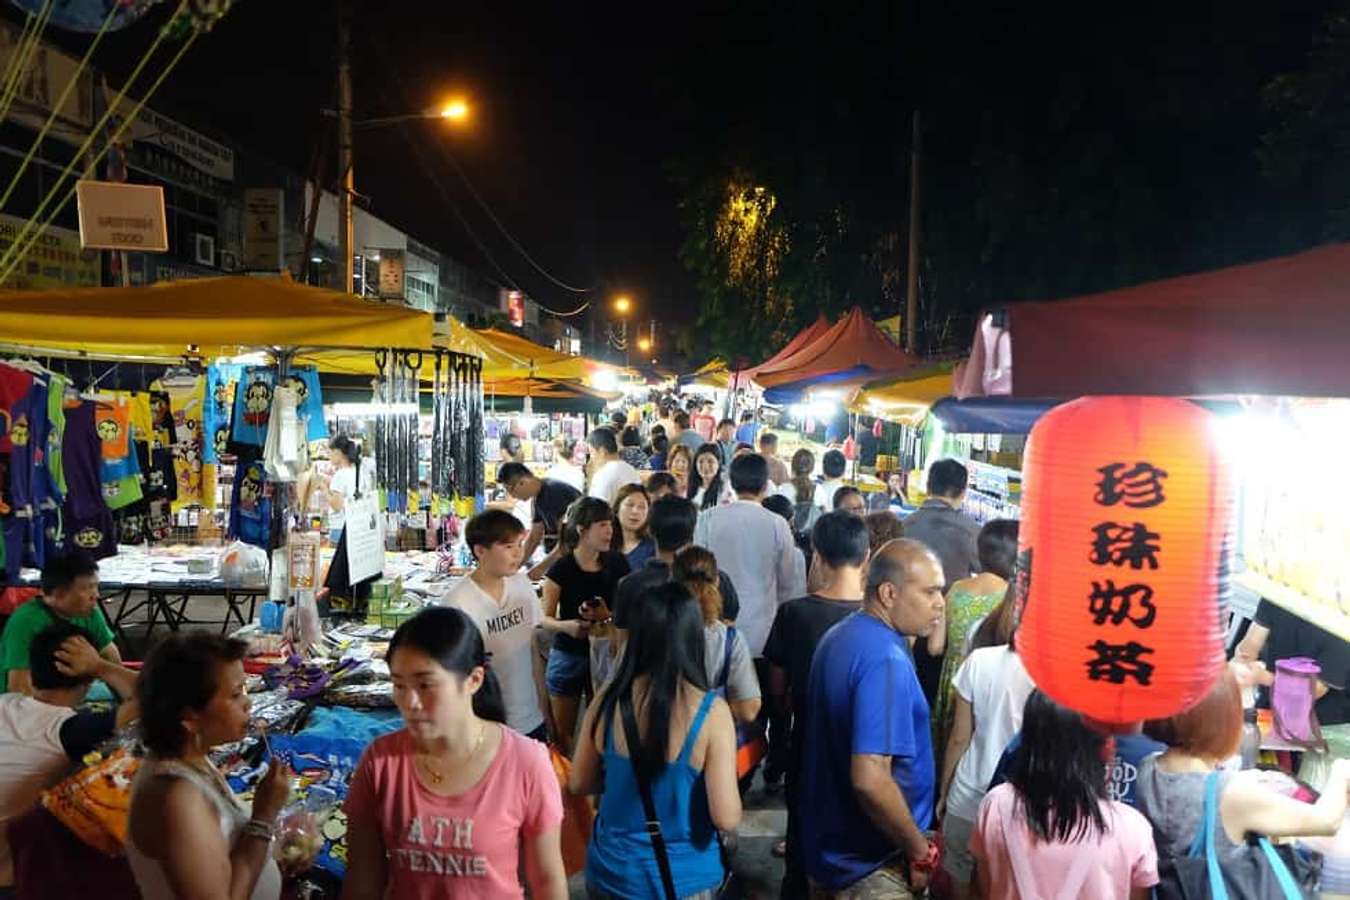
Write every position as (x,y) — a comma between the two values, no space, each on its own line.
(578,591)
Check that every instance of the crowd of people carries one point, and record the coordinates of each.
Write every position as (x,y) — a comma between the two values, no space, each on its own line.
(700,597)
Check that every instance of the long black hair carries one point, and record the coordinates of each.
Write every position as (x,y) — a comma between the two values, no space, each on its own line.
(450,637)
(712,491)
(666,645)
(1059,773)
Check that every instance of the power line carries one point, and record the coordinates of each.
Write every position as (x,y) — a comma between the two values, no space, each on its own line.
(392,70)
(502,228)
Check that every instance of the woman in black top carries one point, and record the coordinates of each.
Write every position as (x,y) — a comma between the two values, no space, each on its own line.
(578,592)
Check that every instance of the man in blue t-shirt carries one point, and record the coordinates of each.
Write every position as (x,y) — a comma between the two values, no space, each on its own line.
(868,773)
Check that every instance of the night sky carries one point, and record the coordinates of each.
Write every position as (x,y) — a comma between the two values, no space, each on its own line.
(580,108)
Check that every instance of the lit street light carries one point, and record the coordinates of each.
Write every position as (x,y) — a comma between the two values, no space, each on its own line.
(456,109)
(622,305)
(644,344)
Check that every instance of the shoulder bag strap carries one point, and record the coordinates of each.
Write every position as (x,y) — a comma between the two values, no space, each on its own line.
(1217,889)
(648,804)
(726,657)
(1282,875)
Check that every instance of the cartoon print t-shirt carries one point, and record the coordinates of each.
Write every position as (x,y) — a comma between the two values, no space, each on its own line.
(14,384)
(250,509)
(252,406)
(161,419)
(188,404)
(221,380)
(112,421)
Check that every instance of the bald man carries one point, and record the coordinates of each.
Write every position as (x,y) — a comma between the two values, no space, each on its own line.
(869,777)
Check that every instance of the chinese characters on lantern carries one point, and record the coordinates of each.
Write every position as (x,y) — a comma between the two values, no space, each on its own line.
(1133,547)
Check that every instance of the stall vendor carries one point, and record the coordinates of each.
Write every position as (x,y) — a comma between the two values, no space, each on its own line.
(346,457)
(69,594)
(1276,634)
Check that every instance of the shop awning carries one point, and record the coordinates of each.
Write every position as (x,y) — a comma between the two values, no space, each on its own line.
(1276,327)
(903,400)
(714,373)
(546,395)
(216,315)
(803,338)
(853,345)
(990,415)
(535,360)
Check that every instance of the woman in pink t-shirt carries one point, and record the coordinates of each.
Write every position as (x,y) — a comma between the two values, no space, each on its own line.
(447,806)
(1050,833)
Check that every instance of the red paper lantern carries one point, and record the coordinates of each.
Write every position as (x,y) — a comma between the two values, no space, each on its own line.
(1122,580)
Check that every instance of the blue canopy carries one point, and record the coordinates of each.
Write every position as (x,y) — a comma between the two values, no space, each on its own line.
(990,415)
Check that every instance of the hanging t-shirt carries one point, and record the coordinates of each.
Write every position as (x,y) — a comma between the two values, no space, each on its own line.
(309,400)
(131,523)
(161,419)
(250,507)
(83,455)
(113,423)
(158,521)
(188,403)
(93,534)
(252,407)
(27,427)
(157,473)
(138,411)
(466,846)
(508,634)
(54,460)
(221,379)
(14,384)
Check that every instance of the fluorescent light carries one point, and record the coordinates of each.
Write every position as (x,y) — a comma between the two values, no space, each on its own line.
(358,410)
(316,259)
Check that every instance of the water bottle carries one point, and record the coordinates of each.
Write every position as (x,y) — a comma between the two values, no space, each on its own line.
(1250,746)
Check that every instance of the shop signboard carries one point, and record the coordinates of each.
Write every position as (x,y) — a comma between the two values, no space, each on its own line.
(122,216)
(198,151)
(393,269)
(41,85)
(264,244)
(515,308)
(55,260)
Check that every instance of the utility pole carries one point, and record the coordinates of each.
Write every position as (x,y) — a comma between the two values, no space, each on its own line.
(912,270)
(346,234)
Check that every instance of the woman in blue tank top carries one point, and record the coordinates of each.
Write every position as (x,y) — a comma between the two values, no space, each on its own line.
(686,752)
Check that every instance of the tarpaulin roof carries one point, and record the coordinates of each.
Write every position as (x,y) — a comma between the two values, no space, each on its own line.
(1276,327)
(990,415)
(506,357)
(217,315)
(904,400)
(852,343)
(713,373)
(802,339)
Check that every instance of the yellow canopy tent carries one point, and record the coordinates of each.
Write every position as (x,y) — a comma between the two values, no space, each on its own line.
(535,360)
(903,400)
(714,373)
(217,316)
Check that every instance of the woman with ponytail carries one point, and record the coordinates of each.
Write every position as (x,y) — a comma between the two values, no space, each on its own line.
(447,806)
(685,752)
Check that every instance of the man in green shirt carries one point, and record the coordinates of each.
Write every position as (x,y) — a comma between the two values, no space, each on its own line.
(69,594)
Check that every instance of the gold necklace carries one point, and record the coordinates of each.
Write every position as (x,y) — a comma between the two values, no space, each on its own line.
(437,777)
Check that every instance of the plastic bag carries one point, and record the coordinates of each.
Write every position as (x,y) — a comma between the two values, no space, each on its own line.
(578,816)
(244,566)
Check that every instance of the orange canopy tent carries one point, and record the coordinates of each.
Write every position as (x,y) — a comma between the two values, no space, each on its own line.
(852,346)
(804,337)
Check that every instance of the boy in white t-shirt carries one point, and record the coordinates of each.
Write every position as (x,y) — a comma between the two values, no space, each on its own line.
(503,603)
(42,737)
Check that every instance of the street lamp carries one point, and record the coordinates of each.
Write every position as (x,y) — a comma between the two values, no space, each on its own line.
(644,344)
(455,110)
(622,305)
